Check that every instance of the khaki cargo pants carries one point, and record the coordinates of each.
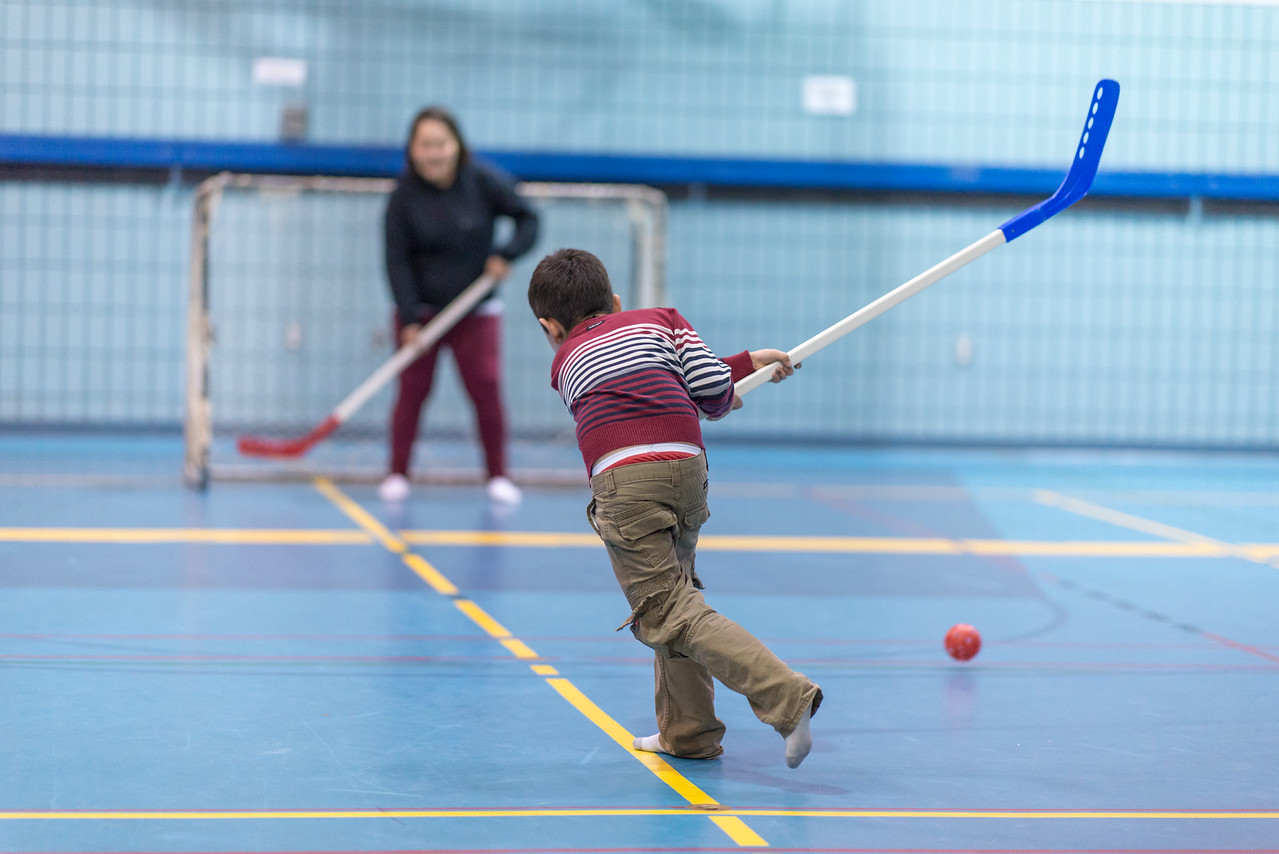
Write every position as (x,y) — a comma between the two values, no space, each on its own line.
(648,515)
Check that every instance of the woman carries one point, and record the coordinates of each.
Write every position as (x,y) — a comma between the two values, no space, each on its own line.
(439,238)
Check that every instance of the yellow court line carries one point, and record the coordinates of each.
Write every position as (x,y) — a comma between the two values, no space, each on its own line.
(866,545)
(719,812)
(659,766)
(518,648)
(737,830)
(429,574)
(544,670)
(1190,546)
(360,516)
(482,619)
(546,539)
(232,536)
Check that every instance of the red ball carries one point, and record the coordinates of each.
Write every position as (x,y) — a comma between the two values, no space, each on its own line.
(962,642)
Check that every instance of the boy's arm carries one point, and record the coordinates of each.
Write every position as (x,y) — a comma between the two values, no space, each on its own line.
(740,364)
(709,378)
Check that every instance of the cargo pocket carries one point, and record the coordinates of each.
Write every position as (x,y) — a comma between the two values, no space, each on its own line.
(590,517)
(649,521)
(696,518)
(690,524)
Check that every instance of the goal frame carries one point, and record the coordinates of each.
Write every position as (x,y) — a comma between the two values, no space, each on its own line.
(646,209)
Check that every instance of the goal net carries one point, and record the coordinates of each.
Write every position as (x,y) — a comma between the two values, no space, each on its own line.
(289,310)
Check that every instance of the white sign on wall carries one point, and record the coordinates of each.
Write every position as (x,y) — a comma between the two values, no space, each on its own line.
(279,71)
(830,95)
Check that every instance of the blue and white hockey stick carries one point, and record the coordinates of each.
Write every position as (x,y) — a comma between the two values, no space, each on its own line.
(1078,182)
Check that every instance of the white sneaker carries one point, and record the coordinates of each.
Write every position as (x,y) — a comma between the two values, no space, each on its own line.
(394,489)
(502,491)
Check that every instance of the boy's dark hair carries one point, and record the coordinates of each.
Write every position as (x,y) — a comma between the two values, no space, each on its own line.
(570,285)
(446,118)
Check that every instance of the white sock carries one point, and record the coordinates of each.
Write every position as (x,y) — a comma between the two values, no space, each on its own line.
(651,743)
(799,742)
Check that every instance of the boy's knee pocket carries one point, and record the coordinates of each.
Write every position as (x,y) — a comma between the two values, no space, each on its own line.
(649,602)
(662,616)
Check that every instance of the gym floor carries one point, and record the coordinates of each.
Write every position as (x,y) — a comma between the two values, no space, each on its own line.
(297,667)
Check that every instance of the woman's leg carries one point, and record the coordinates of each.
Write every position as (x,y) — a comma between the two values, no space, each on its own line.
(476,345)
(415,387)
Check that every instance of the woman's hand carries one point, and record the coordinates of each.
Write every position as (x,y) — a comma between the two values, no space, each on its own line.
(408,333)
(760,358)
(497,267)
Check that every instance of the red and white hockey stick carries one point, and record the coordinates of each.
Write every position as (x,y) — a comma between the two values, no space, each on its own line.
(435,329)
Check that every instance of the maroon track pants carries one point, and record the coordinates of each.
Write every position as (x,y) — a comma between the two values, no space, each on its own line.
(476,345)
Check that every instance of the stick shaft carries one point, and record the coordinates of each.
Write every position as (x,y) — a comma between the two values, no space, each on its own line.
(870,311)
(432,332)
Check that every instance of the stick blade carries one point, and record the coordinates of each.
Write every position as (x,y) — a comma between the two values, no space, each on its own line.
(1083,165)
(259,446)
(1083,169)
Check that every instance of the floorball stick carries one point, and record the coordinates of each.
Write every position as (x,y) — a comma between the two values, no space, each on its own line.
(1083,169)
(432,332)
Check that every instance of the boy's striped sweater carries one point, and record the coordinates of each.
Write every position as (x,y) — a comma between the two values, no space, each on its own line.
(639,377)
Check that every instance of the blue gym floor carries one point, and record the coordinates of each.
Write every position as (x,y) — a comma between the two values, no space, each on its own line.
(296,667)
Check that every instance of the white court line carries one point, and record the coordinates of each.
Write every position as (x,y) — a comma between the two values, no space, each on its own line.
(1146,526)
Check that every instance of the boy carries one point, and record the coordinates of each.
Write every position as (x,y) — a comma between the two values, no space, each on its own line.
(635,381)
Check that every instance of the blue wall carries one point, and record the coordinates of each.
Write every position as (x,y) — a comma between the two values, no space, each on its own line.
(1108,326)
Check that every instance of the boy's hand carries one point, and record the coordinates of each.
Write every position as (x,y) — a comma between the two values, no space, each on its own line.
(760,358)
(737,402)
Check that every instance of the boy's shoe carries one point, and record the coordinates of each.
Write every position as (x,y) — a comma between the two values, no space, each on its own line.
(502,491)
(394,489)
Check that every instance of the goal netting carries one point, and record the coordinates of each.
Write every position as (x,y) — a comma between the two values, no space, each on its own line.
(289,310)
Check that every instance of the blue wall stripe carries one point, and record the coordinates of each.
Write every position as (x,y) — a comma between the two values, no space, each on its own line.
(380,161)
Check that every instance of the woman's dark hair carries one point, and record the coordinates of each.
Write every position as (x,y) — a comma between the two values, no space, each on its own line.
(442,115)
(570,285)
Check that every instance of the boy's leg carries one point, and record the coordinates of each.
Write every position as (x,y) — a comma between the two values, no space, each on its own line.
(684,694)
(684,623)
(648,515)
(684,697)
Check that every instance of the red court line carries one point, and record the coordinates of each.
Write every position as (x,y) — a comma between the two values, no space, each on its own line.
(692,850)
(725,809)
(940,662)
(1252,650)
(631,661)
(265,659)
(598,639)
(226,636)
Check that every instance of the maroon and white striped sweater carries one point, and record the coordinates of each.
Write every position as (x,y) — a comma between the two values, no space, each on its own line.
(639,377)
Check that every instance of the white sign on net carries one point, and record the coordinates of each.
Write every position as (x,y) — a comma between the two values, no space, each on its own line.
(830,95)
(279,71)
